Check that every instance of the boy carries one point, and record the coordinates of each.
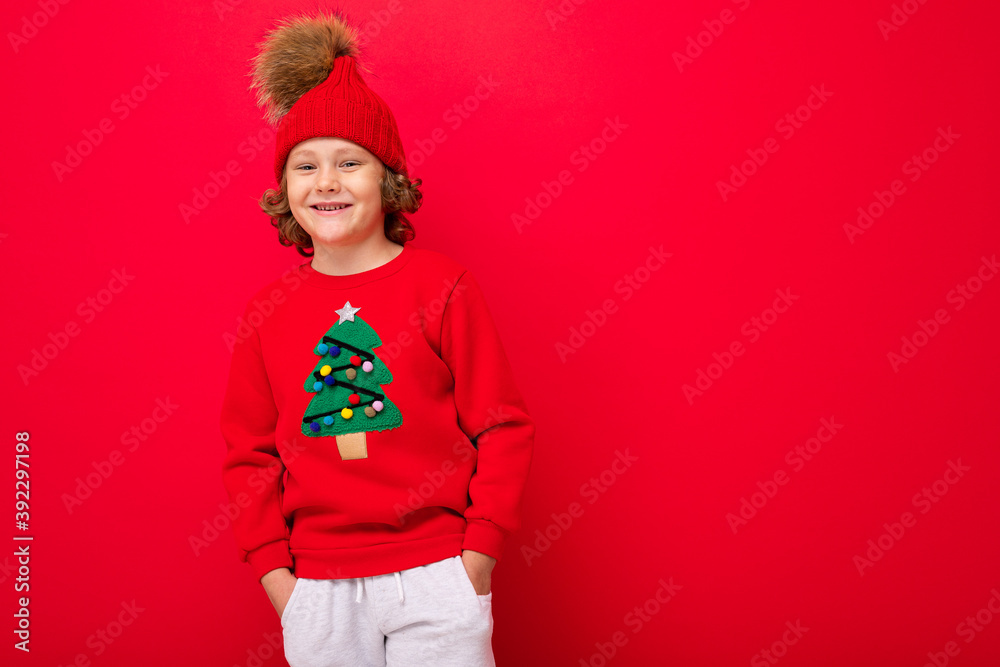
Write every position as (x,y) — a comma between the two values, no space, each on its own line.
(376,442)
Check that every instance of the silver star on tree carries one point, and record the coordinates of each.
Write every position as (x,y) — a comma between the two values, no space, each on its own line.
(346,313)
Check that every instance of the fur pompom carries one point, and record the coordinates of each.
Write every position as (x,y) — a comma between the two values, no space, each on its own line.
(296,57)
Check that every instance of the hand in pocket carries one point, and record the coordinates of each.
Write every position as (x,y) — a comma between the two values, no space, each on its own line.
(479,568)
(286,596)
(279,584)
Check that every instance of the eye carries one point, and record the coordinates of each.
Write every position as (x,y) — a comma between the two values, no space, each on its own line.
(349,162)
(305,166)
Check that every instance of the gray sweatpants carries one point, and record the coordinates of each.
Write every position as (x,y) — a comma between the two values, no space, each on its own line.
(425,615)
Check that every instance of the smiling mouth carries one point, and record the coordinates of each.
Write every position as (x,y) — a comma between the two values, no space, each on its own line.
(329,208)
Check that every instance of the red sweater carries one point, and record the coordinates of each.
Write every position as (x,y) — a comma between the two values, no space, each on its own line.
(372,422)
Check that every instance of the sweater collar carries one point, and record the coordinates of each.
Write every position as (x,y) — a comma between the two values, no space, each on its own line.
(325,281)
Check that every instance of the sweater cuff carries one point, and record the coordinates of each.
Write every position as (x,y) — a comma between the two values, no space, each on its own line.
(485,537)
(269,557)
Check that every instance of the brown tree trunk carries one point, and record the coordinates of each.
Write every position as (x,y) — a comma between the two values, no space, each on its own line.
(352,446)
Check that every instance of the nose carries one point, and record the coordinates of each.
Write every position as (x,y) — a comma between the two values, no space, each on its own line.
(327,179)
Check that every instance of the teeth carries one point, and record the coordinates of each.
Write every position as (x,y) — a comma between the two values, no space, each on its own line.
(331,208)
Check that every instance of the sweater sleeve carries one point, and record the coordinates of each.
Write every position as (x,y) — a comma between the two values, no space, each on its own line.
(491,412)
(252,470)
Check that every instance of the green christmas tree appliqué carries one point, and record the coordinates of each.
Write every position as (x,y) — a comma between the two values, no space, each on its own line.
(347,383)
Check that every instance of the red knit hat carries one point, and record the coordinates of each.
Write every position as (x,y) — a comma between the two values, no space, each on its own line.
(307,79)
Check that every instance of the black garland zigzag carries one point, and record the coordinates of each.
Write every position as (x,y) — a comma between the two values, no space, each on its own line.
(367,356)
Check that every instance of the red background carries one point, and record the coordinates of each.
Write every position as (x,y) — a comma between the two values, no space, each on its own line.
(559,77)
